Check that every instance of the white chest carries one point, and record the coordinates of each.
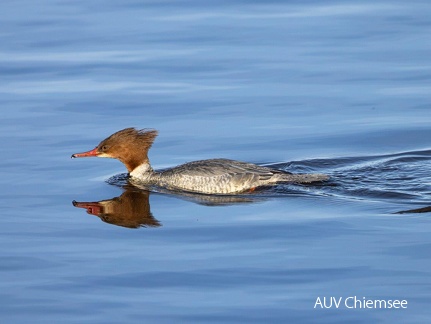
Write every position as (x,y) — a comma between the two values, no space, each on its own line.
(142,172)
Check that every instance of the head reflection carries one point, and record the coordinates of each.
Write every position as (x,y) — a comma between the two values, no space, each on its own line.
(131,210)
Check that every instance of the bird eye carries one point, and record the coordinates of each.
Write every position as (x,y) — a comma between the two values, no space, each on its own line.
(104,147)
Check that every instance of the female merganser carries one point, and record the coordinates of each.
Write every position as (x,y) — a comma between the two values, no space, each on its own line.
(214,176)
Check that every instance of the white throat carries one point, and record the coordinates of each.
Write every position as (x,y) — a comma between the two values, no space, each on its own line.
(142,171)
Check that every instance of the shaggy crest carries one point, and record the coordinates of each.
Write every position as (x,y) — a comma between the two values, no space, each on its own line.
(129,145)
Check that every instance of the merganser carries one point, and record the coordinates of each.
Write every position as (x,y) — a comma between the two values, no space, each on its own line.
(214,176)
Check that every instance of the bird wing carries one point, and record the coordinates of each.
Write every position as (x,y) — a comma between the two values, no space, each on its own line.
(224,168)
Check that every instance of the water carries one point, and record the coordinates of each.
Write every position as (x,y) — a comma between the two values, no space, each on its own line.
(340,88)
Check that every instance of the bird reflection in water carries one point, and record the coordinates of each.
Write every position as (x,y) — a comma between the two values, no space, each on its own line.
(132,208)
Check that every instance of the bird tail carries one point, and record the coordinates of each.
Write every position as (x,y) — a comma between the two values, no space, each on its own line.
(304,178)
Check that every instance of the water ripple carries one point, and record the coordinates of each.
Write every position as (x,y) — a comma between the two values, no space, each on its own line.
(401,178)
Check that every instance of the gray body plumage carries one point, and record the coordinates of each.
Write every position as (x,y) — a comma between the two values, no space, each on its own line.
(222,176)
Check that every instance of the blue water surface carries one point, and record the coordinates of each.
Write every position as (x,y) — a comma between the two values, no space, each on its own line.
(335,87)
